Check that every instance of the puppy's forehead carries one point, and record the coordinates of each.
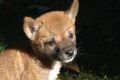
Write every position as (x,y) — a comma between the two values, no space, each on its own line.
(56,20)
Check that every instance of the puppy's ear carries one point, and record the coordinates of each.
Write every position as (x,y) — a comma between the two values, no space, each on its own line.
(73,10)
(30,28)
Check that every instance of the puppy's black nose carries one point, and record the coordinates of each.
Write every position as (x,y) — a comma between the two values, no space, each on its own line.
(69,52)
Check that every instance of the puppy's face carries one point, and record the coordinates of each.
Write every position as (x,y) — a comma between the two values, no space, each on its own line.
(53,34)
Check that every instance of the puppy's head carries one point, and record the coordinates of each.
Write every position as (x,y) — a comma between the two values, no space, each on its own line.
(53,33)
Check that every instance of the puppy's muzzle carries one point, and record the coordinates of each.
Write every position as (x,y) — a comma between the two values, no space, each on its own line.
(65,54)
(69,53)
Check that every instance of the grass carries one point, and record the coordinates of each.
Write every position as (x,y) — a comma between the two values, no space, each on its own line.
(85,76)
(2,46)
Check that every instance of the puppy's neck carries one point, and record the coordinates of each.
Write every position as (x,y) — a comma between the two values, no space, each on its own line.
(49,63)
(45,60)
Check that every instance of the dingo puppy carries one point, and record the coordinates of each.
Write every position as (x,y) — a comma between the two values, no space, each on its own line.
(53,41)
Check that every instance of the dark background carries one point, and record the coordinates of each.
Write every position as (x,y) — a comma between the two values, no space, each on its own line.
(98,29)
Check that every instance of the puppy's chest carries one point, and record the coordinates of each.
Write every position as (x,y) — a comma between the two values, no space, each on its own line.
(38,72)
(53,74)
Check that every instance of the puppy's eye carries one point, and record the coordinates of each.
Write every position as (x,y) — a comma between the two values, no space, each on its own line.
(51,42)
(71,35)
